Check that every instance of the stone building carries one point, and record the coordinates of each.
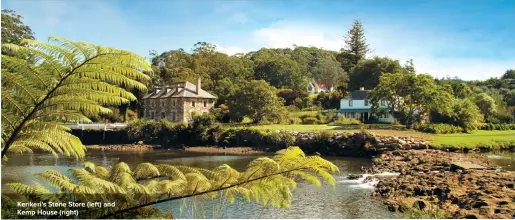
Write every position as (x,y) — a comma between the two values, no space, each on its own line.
(177,102)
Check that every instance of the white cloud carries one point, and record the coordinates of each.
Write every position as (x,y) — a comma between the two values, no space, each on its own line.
(229,50)
(424,46)
(281,36)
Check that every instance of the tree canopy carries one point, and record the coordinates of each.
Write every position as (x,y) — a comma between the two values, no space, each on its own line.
(356,47)
(13,28)
(256,100)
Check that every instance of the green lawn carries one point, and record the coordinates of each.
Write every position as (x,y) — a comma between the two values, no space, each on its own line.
(476,139)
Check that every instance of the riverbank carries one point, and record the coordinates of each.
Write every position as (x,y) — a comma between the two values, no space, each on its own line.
(428,181)
(224,150)
(124,147)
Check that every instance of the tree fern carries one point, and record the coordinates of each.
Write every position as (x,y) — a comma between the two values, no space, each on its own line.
(265,182)
(68,81)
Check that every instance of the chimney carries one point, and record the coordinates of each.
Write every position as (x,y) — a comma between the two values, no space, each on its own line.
(361,88)
(198,86)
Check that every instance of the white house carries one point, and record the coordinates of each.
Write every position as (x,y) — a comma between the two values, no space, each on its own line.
(318,87)
(357,106)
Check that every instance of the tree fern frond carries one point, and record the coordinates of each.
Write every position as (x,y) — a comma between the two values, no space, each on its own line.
(68,81)
(170,171)
(146,170)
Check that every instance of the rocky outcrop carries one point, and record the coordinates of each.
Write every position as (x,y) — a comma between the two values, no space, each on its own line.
(124,147)
(355,144)
(427,180)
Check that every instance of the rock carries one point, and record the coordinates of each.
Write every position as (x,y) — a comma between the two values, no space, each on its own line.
(479,204)
(471,216)
(419,204)
(501,203)
(354,176)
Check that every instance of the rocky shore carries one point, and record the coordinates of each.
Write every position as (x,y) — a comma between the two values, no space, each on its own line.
(222,150)
(124,147)
(433,181)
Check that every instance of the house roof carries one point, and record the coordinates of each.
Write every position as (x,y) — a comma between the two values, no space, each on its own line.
(321,85)
(179,90)
(359,95)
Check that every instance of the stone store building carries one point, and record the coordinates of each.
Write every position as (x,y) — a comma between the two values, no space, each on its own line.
(177,102)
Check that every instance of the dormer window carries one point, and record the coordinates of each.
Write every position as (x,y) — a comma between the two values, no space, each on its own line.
(366,102)
(350,103)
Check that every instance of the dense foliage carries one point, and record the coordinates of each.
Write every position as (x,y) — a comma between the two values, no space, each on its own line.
(13,28)
(69,82)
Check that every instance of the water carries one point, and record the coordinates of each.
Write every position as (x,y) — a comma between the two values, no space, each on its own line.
(506,160)
(349,199)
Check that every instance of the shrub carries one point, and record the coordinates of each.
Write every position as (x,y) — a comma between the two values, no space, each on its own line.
(344,121)
(310,120)
(438,128)
(490,126)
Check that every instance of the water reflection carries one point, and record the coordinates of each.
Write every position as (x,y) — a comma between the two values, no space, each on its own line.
(343,201)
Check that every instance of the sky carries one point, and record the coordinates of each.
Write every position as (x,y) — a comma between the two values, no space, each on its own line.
(470,39)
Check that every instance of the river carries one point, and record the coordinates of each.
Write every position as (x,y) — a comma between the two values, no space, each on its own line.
(349,199)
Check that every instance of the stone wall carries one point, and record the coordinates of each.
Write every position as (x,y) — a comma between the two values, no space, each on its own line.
(181,107)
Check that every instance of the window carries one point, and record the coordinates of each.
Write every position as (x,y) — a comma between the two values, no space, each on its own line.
(350,103)
(193,103)
(366,102)
(152,115)
(382,102)
(174,103)
(205,104)
(174,117)
(163,115)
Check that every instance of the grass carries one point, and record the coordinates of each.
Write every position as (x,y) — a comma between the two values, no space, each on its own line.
(488,139)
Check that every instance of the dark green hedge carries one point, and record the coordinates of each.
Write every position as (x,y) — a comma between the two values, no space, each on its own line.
(490,126)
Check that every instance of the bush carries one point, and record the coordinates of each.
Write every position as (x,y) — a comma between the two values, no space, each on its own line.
(438,128)
(501,118)
(256,138)
(490,126)
(345,121)
(310,120)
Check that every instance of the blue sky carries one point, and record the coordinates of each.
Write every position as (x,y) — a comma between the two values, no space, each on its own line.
(471,39)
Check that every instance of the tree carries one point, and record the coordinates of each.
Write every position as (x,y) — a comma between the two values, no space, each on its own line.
(13,28)
(221,74)
(280,72)
(70,81)
(267,181)
(329,71)
(410,66)
(509,74)
(461,90)
(486,104)
(256,100)
(466,114)
(367,72)
(356,47)
(410,96)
